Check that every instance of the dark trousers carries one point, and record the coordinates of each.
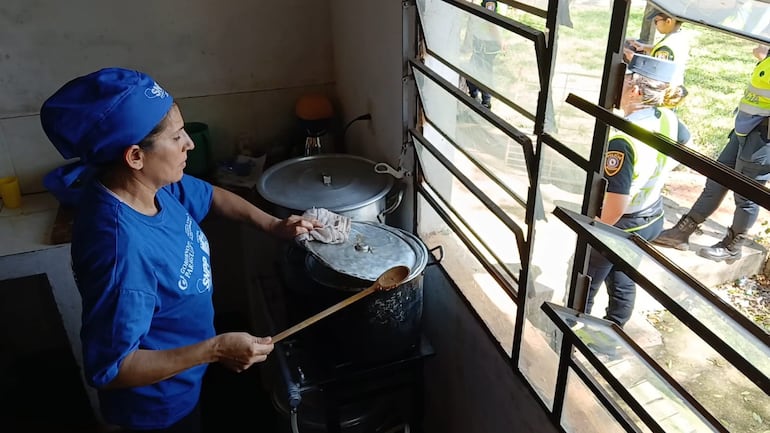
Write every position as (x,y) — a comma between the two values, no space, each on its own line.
(483,63)
(620,288)
(749,156)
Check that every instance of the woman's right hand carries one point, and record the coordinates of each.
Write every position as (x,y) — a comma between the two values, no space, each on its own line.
(240,350)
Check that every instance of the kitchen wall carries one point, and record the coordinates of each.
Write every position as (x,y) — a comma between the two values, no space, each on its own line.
(367,41)
(238,66)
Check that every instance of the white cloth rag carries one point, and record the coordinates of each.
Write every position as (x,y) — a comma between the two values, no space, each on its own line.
(335,230)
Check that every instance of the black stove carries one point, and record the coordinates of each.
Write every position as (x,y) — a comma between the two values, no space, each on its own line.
(320,382)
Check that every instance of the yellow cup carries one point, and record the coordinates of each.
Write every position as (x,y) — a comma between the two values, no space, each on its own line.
(10,192)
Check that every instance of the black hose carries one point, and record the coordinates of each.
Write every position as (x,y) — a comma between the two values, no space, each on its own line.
(366,116)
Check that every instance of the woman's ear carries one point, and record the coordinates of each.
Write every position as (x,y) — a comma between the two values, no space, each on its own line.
(134,157)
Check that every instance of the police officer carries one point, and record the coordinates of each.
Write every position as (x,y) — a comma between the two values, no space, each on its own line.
(487,44)
(674,46)
(748,152)
(636,173)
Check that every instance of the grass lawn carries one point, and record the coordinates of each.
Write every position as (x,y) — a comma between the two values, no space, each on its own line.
(717,73)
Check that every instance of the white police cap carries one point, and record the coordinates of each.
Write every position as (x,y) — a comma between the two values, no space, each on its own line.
(652,67)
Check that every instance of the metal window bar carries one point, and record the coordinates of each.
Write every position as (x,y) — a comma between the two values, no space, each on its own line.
(499,20)
(566,152)
(496,121)
(521,243)
(519,109)
(537,37)
(724,307)
(479,165)
(559,315)
(604,398)
(525,7)
(757,341)
(441,206)
(720,173)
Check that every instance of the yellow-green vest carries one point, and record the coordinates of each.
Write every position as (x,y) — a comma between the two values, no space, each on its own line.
(756,98)
(650,166)
(679,44)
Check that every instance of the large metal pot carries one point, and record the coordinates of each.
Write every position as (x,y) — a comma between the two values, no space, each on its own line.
(344,184)
(381,326)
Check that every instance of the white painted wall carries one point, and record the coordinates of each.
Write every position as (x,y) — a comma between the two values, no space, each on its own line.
(237,65)
(367,40)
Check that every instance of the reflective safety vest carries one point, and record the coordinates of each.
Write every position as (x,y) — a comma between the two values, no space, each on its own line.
(650,166)
(756,98)
(675,47)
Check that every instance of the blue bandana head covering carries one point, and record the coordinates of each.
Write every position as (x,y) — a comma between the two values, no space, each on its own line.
(96,116)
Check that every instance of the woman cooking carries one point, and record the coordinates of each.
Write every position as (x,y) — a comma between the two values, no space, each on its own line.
(140,259)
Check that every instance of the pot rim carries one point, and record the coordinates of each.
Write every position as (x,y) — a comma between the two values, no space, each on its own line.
(420,262)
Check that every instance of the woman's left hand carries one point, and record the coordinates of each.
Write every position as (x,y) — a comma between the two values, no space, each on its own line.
(293,226)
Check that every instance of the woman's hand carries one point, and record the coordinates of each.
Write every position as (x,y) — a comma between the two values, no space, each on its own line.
(240,350)
(293,226)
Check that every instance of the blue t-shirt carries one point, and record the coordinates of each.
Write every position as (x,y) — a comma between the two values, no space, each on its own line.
(146,283)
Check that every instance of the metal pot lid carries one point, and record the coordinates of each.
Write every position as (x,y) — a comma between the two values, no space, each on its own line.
(337,182)
(371,249)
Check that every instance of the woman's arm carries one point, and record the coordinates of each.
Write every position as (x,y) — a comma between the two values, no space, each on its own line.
(614,207)
(236,350)
(237,208)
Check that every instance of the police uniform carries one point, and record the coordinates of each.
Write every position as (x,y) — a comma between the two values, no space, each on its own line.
(675,46)
(638,171)
(747,151)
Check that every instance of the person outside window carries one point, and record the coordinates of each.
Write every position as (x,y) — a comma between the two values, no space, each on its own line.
(748,152)
(636,173)
(486,45)
(674,45)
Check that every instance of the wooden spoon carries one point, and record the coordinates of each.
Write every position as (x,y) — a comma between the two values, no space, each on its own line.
(389,279)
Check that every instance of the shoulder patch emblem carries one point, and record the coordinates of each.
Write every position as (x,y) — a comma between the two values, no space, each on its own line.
(613,162)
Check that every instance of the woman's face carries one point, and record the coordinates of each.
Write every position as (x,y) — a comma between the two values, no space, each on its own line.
(664,24)
(165,160)
(630,96)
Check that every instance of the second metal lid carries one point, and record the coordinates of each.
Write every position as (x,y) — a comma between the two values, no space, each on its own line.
(337,182)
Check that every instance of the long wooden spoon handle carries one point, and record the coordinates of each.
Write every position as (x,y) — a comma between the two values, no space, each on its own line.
(333,309)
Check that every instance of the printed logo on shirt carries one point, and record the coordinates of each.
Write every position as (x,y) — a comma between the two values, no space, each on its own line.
(204,284)
(187,266)
(613,162)
(188,227)
(203,243)
(664,53)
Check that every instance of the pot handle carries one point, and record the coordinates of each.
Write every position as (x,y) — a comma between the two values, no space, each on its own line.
(395,201)
(383,167)
(438,260)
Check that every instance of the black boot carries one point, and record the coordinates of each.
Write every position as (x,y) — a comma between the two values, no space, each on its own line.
(728,248)
(677,236)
